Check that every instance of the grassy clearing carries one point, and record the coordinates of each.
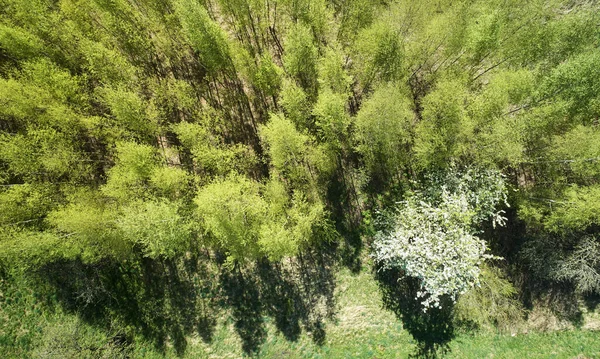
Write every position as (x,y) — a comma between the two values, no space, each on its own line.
(360,329)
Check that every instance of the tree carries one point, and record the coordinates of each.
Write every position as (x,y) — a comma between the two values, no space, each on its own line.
(432,235)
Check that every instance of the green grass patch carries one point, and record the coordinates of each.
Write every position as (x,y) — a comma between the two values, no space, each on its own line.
(361,328)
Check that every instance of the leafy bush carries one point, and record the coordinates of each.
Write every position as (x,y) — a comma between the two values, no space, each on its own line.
(433,235)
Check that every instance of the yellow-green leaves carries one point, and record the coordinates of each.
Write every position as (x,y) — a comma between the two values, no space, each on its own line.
(212,156)
(247,220)
(87,228)
(156,227)
(296,104)
(19,43)
(40,153)
(444,125)
(332,73)
(25,203)
(232,212)
(170,182)
(384,131)
(205,35)
(128,179)
(294,157)
(139,173)
(130,112)
(379,53)
(267,77)
(331,119)
(578,210)
(579,150)
(300,58)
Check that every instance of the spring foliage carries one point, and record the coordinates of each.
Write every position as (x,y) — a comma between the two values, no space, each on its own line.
(255,130)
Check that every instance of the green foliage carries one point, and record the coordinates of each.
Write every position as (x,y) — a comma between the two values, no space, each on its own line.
(268,76)
(25,202)
(149,132)
(379,52)
(286,230)
(354,15)
(22,249)
(579,211)
(579,150)
(491,304)
(573,82)
(206,37)
(332,120)
(293,155)
(75,339)
(444,127)
(129,178)
(129,111)
(247,221)
(295,103)
(40,153)
(212,156)
(300,58)
(170,182)
(332,71)
(232,212)
(87,229)
(384,132)
(156,227)
(18,42)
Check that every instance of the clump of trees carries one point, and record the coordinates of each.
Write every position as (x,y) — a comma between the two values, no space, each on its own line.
(257,130)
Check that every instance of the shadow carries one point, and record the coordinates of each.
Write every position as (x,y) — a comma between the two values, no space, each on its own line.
(591,301)
(167,301)
(160,298)
(243,296)
(433,330)
(342,201)
(298,294)
(531,258)
(560,298)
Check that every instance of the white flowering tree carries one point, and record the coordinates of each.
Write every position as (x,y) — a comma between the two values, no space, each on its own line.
(432,235)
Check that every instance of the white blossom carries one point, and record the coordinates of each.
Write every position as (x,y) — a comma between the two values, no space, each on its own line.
(437,243)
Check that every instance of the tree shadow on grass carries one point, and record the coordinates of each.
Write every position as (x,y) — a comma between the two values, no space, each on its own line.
(166,301)
(433,330)
(531,260)
(162,299)
(297,294)
(342,201)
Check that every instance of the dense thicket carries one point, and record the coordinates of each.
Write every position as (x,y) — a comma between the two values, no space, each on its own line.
(256,131)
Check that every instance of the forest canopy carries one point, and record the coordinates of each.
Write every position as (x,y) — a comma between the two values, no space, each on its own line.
(444,139)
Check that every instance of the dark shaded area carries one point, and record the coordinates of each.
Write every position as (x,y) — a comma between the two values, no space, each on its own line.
(433,330)
(243,296)
(591,300)
(342,201)
(297,295)
(167,301)
(531,257)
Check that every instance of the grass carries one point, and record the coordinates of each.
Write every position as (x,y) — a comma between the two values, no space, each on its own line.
(560,344)
(362,329)
(359,329)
